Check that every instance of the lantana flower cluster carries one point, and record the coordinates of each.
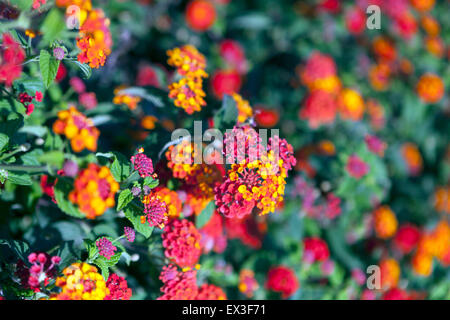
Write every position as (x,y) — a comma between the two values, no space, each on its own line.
(79,129)
(94,190)
(188,90)
(252,181)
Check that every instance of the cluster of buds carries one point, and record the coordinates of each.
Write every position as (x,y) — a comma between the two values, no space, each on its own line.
(38,275)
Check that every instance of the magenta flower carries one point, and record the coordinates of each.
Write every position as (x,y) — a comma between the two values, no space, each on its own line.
(142,164)
(356,167)
(129,234)
(105,248)
(375,144)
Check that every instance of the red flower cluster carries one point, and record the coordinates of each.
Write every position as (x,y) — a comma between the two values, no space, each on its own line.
(282,279)
(11,58)
(26,100)
(181,241)
(178,285)
(118,288)
(211,292)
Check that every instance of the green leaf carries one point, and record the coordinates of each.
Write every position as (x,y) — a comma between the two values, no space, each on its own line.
(4,139)
(150,182)
(104,264)
(206,214)
(49,67)
(19,178)
(133,213)
(85,68)
(91,248)
(55,158)
(125,197)
(121,167)
(20,248)
(62,189)
(53,26)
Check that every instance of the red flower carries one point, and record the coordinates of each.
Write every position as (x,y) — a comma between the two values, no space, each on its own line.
(11,58)
(267,118)
(200,15)
(213,237)
(181,241)
(282,279)
(118,288)
(316,249)
(355,20)
(407,238)
(225,82)
(233,53)
(147,76)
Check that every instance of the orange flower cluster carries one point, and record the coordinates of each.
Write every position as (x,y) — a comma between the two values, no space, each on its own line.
(385,222)
(430,88)
(432,244)
(188,91)
(81,281)
(173,202)
(412,157)
(390,273)
(126,99)
(94,38)
(244,109)
(442,199)
(78,129)
(94,190)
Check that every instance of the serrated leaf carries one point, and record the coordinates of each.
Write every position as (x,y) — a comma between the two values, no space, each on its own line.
(62,189)
(125,197)
(133,213)
(49,67)
(206,214)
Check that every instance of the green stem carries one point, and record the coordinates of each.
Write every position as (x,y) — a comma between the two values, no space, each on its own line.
(15,167)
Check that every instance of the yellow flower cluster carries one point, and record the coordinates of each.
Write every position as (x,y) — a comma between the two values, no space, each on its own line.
(81,281)
(188,91)
(244,109)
